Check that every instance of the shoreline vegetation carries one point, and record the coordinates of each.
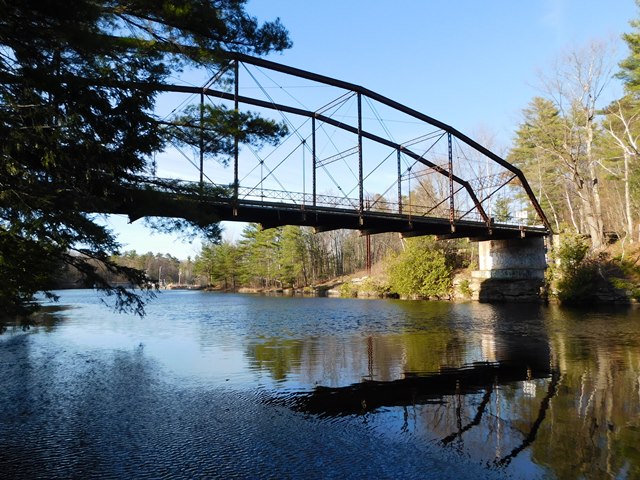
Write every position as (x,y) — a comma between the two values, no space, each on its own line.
(426,269)
(422,269)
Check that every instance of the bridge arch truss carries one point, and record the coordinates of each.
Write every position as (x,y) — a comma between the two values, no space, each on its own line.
(356,159)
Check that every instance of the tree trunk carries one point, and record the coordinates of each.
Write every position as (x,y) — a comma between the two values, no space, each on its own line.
(591,220)
(556,220)
(627,196)
(594,211)
(571,212)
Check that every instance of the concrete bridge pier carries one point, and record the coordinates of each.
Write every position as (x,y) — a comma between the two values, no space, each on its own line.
(510,270)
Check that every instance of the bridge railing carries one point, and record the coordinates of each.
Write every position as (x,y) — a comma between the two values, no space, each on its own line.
(215,193)
(303,200)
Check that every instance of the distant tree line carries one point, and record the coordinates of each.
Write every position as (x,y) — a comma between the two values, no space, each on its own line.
(296,257)
(289,256)
(160,269)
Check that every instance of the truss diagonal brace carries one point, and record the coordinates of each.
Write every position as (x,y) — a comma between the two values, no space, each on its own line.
(259,62)
(349,128)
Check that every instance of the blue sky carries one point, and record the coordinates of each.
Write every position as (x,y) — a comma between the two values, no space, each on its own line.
(469,63)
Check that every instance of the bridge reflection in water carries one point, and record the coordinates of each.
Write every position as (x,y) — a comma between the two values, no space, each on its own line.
(485,395)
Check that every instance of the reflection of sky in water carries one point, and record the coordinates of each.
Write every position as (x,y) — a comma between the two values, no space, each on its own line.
(173,339)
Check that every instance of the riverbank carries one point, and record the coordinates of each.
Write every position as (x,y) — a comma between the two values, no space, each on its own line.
(610,276)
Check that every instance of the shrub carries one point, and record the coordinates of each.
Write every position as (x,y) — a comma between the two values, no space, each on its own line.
(573,275)
(421,269)
(348,290)
(372,286)
(578,284)
(464,287)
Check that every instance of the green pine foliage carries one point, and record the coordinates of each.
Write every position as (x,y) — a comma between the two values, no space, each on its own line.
(78,88)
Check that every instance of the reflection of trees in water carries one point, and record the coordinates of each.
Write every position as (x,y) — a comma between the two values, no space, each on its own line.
(584,422)
(469,409)
(593,427)
(278,356)
(334,361)
(47,318)
(465,406)
(579,419)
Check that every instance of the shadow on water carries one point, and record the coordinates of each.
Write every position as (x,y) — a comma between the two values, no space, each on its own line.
(463,374)
(370,396)
(48,317)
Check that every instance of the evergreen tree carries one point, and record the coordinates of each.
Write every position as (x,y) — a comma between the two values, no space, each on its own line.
(535,151)
(78,89)
(502,211)
(630,66)
(259,252)
(218,263)
(291,256)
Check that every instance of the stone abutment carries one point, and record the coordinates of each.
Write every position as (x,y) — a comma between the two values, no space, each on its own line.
(510,270)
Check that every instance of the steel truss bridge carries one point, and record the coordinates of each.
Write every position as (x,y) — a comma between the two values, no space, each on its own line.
(352,159)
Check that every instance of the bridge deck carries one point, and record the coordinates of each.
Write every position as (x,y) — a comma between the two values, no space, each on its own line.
(206,210)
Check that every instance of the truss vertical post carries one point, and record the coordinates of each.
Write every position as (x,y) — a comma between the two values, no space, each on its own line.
(313,155)
(367,243)
(451,204)
(360,174)
(236,148)
(201,140)
(399,183)
(304,172)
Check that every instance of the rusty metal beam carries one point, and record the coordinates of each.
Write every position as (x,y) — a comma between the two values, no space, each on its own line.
(400,107)
(338,124)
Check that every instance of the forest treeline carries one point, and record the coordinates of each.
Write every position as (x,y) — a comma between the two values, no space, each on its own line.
(289,257)
(293,257)
(159,269)
(296,257)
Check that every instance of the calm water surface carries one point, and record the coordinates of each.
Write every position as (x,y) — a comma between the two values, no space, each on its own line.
(214,385)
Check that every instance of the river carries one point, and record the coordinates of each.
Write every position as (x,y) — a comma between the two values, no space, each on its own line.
(212,385)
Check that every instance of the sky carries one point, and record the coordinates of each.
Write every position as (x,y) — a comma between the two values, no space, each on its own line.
(473,64)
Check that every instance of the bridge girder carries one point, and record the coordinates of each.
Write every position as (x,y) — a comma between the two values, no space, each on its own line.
(138,203)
